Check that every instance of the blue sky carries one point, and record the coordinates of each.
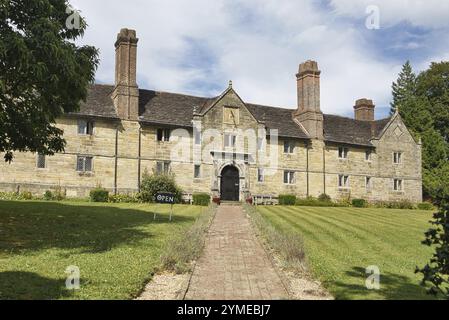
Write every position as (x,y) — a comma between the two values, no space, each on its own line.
(197,46)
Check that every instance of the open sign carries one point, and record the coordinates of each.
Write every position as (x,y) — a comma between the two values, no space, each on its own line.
(167,198)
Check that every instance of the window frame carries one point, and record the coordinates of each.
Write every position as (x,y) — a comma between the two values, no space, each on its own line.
(398,185)
(291,177)
(163,134)
(343,153)
(260,175)
(369,183)
(166,167)
(85,157)
(343,181)
(397,157)
(38,157)
(368,155)
(197,174)
(289,147)
(88,127)
(230,140)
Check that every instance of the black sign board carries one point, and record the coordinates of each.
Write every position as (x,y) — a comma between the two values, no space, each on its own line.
(166,198)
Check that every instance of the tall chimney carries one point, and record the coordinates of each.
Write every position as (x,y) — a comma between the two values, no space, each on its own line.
(309,111)
(364,110)
(126,92)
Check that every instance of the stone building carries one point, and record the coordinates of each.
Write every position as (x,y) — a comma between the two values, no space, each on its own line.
(222,145)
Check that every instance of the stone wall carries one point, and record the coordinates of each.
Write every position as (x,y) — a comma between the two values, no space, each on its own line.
(316,164)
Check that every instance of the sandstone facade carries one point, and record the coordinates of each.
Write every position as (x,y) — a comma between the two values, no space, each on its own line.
(344,158)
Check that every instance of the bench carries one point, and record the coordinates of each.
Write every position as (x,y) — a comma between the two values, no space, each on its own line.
(264,199)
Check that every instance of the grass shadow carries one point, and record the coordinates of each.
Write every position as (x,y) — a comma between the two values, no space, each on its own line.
(392,287)
(33,226)
(31,286)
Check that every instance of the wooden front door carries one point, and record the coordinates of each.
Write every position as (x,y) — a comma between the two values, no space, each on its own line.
(230,184)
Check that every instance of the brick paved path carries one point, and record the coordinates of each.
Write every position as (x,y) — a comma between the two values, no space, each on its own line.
(234,265)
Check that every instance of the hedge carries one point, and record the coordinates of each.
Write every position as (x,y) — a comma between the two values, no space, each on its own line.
(201,199)
(287,200)
(99,195)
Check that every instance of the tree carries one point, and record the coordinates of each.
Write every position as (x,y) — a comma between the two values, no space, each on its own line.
(437,270)
(433,84)
(419,100)
(43,74)
(404,89)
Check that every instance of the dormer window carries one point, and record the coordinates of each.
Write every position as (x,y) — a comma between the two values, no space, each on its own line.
(85,127)
(163,135)
(343,152)
(289,147)
(368,155)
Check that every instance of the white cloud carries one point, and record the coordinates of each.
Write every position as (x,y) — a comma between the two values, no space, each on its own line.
(257,44)
(423,13)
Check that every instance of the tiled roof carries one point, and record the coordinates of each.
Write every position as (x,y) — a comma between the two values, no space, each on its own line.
(177,110)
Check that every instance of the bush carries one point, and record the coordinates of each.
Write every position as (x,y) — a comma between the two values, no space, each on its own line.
(201,199)
(426,206)
(26,195)
(395,205)
(314,202)
(99,195)
(152,184)
(359,203)
(123,198)
(324,198)
(48,195)
(287,200)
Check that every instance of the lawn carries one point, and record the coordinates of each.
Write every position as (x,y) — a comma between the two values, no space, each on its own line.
(340,243)
(115,246)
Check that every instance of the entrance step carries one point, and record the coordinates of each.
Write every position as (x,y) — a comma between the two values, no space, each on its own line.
(231,203)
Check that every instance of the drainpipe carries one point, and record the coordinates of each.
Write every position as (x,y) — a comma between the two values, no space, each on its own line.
(116,161)
(308,179)
(139,165)
(324,168)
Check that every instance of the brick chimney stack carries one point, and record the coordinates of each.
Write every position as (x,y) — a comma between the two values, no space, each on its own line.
(309,110)
(364,110)
(126,92)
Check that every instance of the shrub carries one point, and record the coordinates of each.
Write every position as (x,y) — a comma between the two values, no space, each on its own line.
(152,184)
(26,195)
(59,194)
(99,195)
(426,206)
(324,198)
(48,195)
(314,202)
(201,199)
(287,200)
(123,198)
(359,203)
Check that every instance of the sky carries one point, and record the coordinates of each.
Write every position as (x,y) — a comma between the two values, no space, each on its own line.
(195,47)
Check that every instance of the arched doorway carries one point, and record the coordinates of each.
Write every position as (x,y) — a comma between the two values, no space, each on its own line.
(230,184)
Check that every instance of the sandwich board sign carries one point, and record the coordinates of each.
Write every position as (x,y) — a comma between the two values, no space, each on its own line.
(165,198)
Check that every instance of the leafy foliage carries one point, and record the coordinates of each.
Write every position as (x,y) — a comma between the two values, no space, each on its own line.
(437,270)
(359,203)
(152,184)
(201,199)
(43,74)
(99,195)
(423,105)
(287,200)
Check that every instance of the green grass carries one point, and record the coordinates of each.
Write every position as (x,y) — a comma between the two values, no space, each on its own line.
(116,246)
(340,243)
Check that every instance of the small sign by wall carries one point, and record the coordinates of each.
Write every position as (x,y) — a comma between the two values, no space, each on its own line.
(165,198)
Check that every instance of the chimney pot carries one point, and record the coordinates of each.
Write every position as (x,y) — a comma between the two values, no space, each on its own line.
(364,110)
